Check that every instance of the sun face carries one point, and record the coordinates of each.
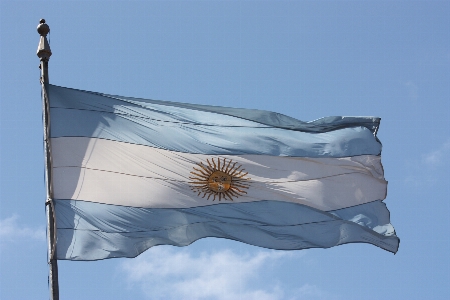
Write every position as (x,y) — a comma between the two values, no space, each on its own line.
(219,178)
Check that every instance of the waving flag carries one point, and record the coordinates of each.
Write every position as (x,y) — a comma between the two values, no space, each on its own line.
(129,174)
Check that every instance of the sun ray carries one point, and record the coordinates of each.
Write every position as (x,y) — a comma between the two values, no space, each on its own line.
(240,186)
(234,193)
(227,169)
(240,175)
(201,171)
(227,194)
(239,190)
(206,168)
(199,175)
(236,171)
(209,164)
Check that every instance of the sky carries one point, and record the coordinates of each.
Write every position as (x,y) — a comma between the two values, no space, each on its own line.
(305,59)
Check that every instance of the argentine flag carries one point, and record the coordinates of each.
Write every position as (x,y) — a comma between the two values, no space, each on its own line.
(129,174)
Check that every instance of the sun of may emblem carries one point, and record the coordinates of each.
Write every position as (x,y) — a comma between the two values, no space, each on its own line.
(219,178)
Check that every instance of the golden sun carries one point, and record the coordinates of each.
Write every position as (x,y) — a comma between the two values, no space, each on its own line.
(221,179)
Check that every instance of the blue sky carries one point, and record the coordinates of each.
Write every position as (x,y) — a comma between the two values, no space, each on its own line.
(306,59)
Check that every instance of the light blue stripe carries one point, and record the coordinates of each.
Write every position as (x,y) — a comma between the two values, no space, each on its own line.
(207,129)
(194,113)
(92,231)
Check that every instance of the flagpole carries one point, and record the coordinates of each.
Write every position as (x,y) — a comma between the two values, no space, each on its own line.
(44,53)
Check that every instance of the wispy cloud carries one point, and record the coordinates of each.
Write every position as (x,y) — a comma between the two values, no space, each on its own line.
(423,171)
(165,273)
(11,230)
(438,156)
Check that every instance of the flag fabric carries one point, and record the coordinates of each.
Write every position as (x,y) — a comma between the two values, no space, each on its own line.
(129,174)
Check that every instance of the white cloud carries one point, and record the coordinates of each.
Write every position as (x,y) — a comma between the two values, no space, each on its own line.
(438,156)
(165,273)
(422,171)
(11,230)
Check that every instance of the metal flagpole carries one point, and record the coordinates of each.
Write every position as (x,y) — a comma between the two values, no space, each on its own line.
(44,53)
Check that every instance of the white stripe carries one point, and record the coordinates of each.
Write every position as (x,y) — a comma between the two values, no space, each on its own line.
(119,173)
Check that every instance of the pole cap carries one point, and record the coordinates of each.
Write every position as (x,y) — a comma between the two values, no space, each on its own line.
(43,29)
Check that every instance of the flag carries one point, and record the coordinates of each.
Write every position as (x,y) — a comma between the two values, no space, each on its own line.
(129,174)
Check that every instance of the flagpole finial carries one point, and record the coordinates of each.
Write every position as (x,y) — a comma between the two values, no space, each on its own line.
(43,51)
(43,29)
